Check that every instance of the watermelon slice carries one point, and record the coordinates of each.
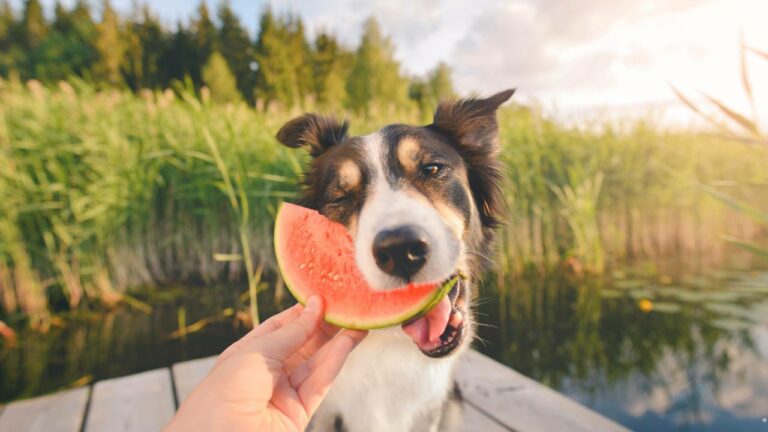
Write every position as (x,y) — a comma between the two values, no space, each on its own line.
(317,256)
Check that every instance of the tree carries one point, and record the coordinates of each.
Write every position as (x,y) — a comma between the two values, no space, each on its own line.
(428,92)
(220,80)
(375,79)
(62,21)
(179,58)
(68,48)
(11,51)
(330,67)
(109,48)
(33,25)
(283,56)
(235,46)
(440,83)
(204,42)
(300,58)
(153,42)
(145,44)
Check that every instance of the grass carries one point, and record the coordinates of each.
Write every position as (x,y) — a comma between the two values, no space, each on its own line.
(104,191)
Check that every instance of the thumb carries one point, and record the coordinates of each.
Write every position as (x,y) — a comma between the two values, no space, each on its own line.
(280,344)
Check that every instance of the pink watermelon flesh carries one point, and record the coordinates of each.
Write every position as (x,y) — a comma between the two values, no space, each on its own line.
(316,256)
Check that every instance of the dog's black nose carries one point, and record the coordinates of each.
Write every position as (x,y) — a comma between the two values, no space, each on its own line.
(401,251)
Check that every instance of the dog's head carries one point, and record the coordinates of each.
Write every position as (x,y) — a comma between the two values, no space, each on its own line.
(420,202)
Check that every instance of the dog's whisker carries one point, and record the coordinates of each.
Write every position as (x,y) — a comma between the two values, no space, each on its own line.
(488,259)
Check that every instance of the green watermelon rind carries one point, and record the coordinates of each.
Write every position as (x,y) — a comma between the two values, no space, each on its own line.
(357,323)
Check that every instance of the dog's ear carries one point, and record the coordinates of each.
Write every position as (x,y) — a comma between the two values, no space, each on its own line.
(471,122)
(471,125)
(316,132)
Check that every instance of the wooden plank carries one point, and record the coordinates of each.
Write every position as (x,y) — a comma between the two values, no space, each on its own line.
(136,403)
(188,374)
(59,412)
(521,403)
(476,421)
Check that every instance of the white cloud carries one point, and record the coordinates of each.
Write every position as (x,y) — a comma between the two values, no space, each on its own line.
(577,55)
(606,53)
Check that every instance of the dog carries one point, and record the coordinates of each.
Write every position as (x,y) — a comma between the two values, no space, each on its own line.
(421,204)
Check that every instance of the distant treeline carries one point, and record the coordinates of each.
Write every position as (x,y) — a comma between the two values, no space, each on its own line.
(281,67)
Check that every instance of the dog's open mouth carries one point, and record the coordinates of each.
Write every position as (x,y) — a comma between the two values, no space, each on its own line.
(440,331)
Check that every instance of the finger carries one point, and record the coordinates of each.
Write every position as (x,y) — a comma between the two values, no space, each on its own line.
(268,326)
(285,341)
(286,400)
(317,342)
(304,370)
(277,321)
(314,388)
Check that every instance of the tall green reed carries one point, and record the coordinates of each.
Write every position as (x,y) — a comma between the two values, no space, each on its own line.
(105,191)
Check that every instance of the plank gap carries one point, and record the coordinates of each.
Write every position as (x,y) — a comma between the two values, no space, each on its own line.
(173,389)
(86,409)
(489,415)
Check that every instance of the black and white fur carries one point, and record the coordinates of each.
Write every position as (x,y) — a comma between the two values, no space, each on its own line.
(442,179)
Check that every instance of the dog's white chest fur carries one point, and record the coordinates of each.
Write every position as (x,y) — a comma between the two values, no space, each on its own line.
(387,384)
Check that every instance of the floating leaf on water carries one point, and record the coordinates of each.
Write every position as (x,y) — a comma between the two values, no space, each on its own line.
(730,309)
(641,293)
(611,293)
(730,324)
(758,313)
(689,296)
(666,307)
(227,257)
(724,296)
(629,283)
(670,291)
(749,289)
(698,281)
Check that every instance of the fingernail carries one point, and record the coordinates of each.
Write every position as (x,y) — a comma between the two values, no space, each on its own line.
(313,304)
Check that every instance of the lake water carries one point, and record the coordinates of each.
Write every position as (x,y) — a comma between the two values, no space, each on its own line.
(651,351)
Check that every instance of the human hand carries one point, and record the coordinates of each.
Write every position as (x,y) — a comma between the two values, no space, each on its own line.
(274,378)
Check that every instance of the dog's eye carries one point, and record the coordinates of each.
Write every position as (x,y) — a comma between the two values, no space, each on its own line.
(342,199)
(431,170)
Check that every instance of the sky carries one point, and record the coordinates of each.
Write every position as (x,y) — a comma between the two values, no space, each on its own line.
(574,58)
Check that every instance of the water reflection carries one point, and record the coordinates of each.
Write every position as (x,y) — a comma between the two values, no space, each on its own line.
(652,352)
(697,361)
(90,347)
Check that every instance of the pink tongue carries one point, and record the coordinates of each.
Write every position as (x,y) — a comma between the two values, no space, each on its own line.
(426,330)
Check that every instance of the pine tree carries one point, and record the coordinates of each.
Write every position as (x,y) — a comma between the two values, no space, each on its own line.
(109,48)
(285,62)
(440,83)
(300,60)
(275,76)
(33,25)
(145,44)
(204,42)
(68,49)
(11,51)
(235,46)
(62,21)
(7,23)
(330,66)
(375,80)
(153,42)
(428,92)
(178,59)
(220,81)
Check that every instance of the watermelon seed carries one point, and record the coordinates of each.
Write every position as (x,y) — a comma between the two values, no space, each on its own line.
(302,265)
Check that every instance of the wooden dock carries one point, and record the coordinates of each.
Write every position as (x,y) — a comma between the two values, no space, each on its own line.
(497,399)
